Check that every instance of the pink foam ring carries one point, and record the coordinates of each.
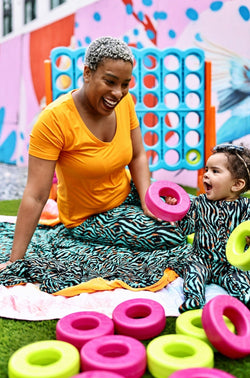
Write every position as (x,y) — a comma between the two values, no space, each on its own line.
(199,372)
(140,318)
(98,374)
(116,353)
(80,327)
(161,209)
(232,345)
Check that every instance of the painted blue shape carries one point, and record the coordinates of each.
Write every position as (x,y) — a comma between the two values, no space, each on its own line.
(192,14)
(7,148)
(87,40)
(147,3)
(150,34)
(234,128)
(97,16)
(172,33)
(139,45)
(2,114)
(126,39)
(140,15)
(79,43)
(129,9)
(76,24)
(198,37)
(136,32)
(216,5)
(160,15)
(244,12)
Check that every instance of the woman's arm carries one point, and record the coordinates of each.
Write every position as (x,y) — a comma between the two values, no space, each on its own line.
(139,168)
(36,193)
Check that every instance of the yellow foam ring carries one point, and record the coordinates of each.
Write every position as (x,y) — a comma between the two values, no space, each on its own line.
(189,323)
(46,358)
(190,238)
(169,353)
(236,244)
(196,160)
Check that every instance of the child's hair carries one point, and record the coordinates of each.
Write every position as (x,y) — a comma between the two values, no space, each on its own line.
(107,48)
(238,161)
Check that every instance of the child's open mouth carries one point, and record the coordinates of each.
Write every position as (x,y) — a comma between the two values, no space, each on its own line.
(207,187)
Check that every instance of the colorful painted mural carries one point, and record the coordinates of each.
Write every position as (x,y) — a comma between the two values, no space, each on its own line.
(220,28)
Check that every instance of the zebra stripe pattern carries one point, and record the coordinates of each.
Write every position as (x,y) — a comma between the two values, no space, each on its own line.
(121,243)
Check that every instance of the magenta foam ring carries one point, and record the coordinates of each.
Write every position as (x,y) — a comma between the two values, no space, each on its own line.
(80,327)
(140,318)
(160,208)
(116,353)
(226,342)
(98,374)
(198,372)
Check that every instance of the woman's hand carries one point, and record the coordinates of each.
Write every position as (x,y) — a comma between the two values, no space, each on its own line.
(149,214)
(4,265)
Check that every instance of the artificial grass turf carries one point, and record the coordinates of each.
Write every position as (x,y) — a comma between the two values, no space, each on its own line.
(9,207)
(16,333)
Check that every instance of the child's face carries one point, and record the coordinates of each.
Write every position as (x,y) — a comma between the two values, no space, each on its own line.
(217,179)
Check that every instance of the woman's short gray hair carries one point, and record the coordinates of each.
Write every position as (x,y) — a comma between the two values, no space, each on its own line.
(107,48)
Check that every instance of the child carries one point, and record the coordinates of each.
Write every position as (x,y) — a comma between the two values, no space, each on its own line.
(213,216)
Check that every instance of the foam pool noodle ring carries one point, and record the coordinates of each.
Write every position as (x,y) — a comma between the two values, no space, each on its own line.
(227,343)
(141,318)
(169,353)
(119,354)
(235,249)
(46,359)
(189,323)
(50,210)
(163,210)
(201,373)
(53,190)
(80,327)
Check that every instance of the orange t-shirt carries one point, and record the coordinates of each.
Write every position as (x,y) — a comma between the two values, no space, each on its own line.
(91,173)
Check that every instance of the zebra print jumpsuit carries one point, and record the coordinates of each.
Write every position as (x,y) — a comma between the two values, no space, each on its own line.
(212,222)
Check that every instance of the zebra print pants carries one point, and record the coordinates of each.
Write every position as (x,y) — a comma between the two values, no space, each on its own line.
(198,272)
(126,226)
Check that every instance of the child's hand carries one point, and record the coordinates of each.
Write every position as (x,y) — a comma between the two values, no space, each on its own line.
(248,240)
(170,200)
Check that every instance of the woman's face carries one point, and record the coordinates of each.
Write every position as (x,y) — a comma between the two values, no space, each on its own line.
(105,87)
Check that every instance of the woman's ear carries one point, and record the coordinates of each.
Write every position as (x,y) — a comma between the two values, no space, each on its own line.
(86,74)
(238,185)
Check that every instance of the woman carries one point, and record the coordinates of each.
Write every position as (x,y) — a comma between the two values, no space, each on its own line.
(90,136)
